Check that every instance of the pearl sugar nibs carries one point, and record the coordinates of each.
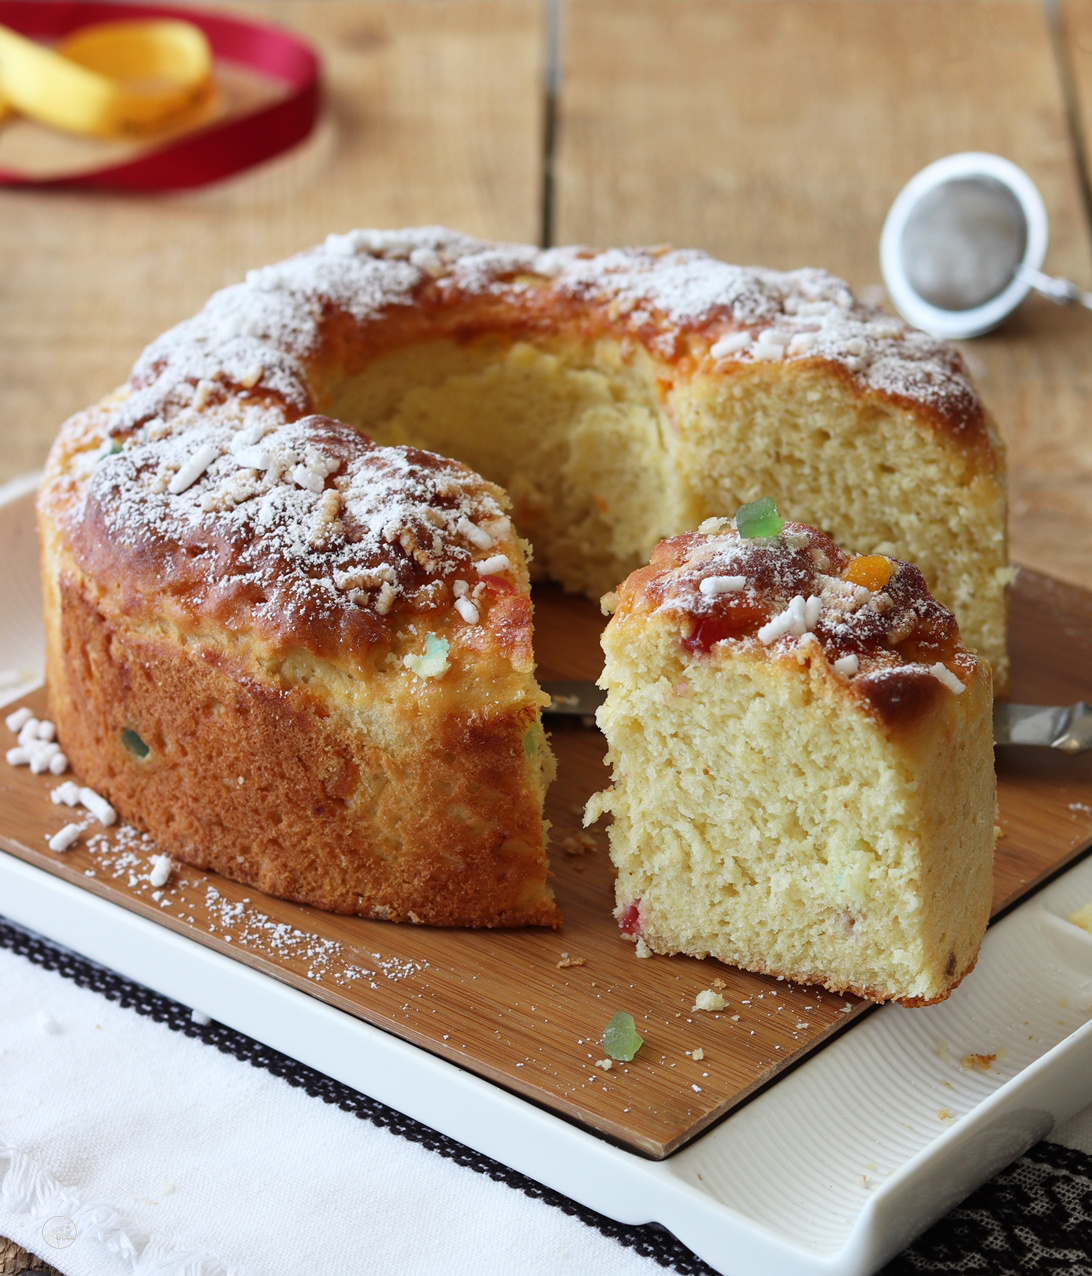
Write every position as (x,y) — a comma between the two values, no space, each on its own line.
(161,870)
(36,747)
(63,839)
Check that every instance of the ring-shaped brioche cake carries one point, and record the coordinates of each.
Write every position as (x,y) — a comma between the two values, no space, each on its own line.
(293,643)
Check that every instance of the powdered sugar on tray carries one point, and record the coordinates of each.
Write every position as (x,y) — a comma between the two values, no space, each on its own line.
(324,958)
(131,857)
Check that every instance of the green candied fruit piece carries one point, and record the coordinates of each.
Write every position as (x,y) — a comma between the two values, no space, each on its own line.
(530,742)
(433,662)
(620,1039)
(760,518)
(134,744)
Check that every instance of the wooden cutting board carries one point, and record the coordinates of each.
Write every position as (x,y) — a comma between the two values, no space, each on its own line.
(506,1005)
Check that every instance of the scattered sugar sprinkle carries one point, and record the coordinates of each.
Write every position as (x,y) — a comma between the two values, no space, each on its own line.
(161,870)
(711,586)
(798,618)
(16,720)
(126,854)
(193,468)
(324,957)
(730,344)
(98,806)
(492,565)
(66,794)
(63,839)
(476,535)
(36,745)
(467,610)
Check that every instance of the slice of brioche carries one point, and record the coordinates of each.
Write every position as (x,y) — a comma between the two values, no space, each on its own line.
(802,759)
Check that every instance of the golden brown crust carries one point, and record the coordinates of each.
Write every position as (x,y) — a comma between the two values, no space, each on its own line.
(288,328)
(271,786)
(720,588)
(264,556)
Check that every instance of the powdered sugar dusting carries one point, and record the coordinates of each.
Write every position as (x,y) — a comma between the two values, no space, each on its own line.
(758,315)
(796,603)
(304,521)
(271,325)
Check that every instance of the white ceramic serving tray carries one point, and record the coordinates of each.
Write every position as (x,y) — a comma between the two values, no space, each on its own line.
(832,1170)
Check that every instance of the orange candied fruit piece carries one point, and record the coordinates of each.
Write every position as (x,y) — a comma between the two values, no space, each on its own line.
(873,571)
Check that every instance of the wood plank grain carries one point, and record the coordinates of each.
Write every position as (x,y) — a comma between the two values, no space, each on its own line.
(507,1005)
(432,115)
(779,133)
(1074,30)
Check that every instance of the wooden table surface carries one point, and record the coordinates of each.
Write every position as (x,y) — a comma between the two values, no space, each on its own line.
(780,132)
(769,131)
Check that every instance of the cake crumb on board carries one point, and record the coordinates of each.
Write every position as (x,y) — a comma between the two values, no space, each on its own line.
(707,999)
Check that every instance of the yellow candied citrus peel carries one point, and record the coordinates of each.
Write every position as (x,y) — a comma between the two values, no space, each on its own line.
(873,571)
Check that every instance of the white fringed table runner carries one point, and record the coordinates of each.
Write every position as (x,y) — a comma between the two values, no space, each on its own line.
(174,1159)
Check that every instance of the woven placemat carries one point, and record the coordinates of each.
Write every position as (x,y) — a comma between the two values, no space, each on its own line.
(14,1260)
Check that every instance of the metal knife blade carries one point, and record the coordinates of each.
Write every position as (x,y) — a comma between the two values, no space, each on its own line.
(1067,728)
